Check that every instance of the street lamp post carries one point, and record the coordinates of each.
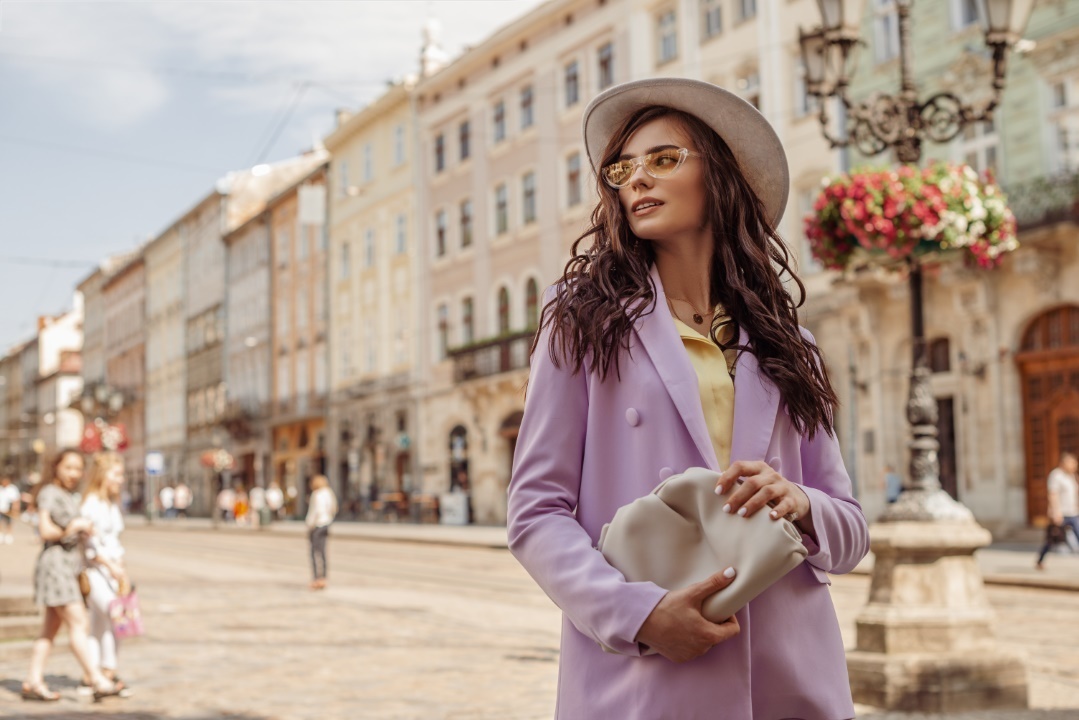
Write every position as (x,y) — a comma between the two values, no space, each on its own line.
(924,639)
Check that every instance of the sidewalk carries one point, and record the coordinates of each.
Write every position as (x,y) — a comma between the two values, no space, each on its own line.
(1001,563)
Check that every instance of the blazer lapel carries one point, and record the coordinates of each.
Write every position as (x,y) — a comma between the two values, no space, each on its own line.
(756,401)
(664,347)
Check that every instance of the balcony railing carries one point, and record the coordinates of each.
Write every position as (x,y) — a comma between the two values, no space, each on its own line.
(1045,201)
(491,357)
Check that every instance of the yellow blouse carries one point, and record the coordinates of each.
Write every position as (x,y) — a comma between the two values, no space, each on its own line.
(715,383)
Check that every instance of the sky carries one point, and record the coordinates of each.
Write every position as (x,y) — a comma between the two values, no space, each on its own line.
(116,117)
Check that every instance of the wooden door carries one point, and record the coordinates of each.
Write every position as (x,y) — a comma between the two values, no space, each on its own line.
(946,437)
(1049,368)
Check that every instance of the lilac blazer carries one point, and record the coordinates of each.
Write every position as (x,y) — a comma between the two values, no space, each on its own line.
(588,447)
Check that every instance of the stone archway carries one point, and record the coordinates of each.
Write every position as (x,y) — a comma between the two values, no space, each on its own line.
(1048,362)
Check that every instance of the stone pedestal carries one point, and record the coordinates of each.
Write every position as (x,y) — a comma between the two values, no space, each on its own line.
(925,639)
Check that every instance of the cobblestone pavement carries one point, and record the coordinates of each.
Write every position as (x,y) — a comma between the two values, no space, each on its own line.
(405,631)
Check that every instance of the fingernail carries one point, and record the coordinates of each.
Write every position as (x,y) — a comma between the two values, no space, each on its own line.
(719,490)
(742,511)
(727,508)
(774,514)
(728,573)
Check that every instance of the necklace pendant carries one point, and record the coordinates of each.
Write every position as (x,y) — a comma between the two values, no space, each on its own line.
(697,318)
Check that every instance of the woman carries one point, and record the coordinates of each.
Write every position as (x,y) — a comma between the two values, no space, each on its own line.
(56,584)
(320,513)
(104,557)
(671,342)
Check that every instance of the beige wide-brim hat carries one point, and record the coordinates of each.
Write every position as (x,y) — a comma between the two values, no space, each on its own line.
(750,137)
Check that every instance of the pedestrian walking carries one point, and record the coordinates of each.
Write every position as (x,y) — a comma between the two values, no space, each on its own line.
(671,342)
(104,559)
(275,499)
(56,584)
(241,508)
(226,503)
(10,500)
(321,510)
(1063,508)
(167,499)
(182,499)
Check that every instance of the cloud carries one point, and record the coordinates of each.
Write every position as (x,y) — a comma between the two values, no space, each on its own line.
(246,54)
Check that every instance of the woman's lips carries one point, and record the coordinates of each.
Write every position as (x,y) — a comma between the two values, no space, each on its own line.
(647,209)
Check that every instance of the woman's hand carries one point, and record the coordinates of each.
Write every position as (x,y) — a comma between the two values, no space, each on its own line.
(677,630)
(80,525)
(763,486)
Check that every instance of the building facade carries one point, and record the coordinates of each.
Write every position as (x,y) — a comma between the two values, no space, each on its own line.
(373,284)
(1003,344)
(247,349)
(59,382)
(507,188)
(299,338)
(166,406)
(123,295)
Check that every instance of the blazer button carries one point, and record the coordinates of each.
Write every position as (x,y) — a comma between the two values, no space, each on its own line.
(633,417)
(665,473)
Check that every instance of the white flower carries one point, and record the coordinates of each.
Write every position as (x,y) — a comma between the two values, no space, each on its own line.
(977,228)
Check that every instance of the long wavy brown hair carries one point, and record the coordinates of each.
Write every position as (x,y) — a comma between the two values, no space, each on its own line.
(606,287)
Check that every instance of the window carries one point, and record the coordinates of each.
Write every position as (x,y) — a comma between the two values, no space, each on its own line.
(304,248)
(749,87)
(667,37)
(571,83)
(885,31)
(745,9)
(573,180)
(804,103)
(443,331)
(440,153)
(526,107)
(368,163)
(342,177)
(938,355)
(964,13)
(468,323)
(503,310)
(466,223)
(440,233)
(711,19)
(301,311)
(399,145)
(464,135)
(528,198)
(369,248)
(605,62)
(1063,118)
(1060,95)
(345,271)
(282,319)
(499,121)
(502,215)
(402,235)
(531,304)
(977,146)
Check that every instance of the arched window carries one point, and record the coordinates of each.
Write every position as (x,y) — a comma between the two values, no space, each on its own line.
(503,310)
(459,458)
(939,355)
(1054,330)
(468,328)
(531,304)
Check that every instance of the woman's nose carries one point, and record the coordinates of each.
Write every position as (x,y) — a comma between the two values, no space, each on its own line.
(640,177)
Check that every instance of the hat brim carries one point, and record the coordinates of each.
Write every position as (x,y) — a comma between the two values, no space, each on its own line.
(750,137)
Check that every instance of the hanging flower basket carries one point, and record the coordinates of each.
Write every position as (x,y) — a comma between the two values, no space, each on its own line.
(220,460)
(100,435)
(890,217)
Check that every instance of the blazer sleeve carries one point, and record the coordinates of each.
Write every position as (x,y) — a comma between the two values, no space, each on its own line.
(842,532)
(543,531)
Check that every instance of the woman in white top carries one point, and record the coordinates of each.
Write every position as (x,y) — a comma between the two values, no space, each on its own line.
(320,513)
(104,555)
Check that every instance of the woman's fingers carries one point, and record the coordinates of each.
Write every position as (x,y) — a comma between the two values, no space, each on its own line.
(697,593)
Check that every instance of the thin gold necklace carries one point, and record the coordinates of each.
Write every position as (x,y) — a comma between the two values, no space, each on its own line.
(698,317)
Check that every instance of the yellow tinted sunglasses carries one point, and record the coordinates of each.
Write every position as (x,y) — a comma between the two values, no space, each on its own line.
(659,164)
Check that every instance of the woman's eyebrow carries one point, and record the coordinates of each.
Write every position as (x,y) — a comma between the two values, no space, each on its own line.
(649,151)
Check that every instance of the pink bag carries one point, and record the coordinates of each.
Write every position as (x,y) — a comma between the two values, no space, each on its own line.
(125,615)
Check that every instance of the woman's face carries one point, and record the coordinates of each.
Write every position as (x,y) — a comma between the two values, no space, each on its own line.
(661,209)
(114,479)
(69,471)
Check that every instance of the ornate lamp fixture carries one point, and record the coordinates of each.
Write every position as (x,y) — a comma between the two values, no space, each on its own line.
(924,640)
(900,121)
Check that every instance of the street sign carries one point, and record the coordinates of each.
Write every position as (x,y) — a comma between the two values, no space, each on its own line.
(155,463)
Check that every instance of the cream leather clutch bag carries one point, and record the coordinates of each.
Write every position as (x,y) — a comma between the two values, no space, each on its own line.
(679,535)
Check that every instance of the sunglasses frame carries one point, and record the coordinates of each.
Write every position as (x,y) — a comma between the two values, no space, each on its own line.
(640,161)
